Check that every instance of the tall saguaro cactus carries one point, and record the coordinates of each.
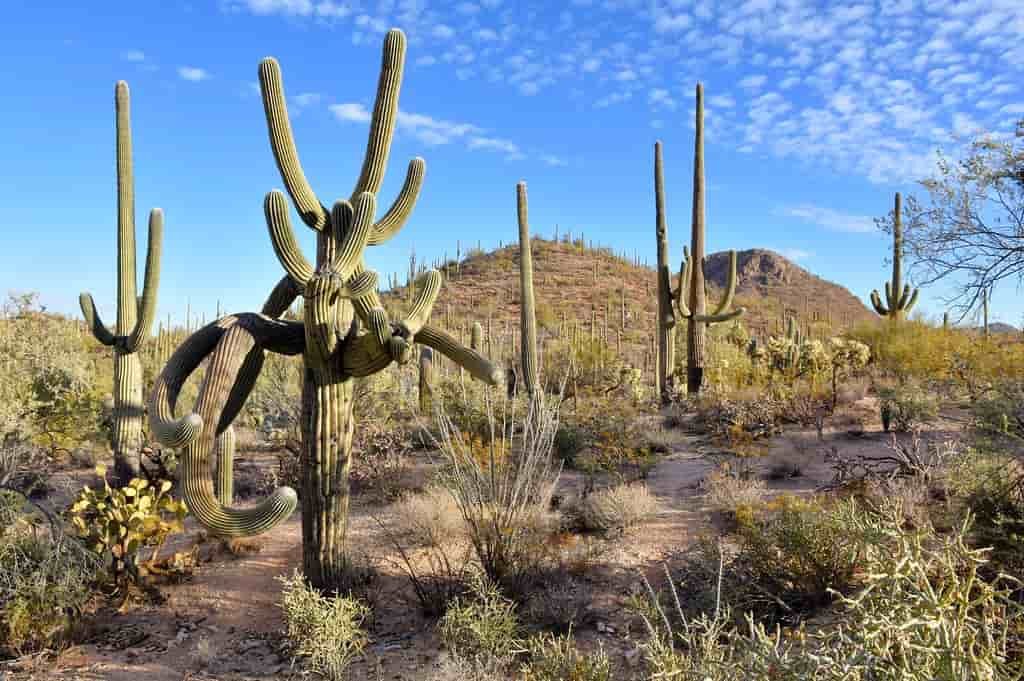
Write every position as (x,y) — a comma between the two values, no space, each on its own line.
(690,297)
(134,315)
(666,315)
(344,335)
(898,304)
(527,312)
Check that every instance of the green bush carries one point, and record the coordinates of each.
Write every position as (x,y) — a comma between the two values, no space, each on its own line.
(556,658)
(907,406)
(325,633)
(483,625)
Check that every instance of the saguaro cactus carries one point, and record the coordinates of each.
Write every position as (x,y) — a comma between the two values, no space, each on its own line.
(527,314)
(426,380)
(666,315)
(344,335)
(898,305)
(984,311)
(134,315)
(691,296)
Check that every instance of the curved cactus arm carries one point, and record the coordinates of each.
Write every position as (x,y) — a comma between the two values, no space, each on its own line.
(910,303)
(402,208)
(281,297)
(366,356)
(282,236)
(716,318)
(682,291)
(224,454)
(730,286)
(282,142)
(385,112)
(892,298)
(151,282)
(362,284)
(92,318)
(349,252)
(423,304)
(665,284)
(876,301)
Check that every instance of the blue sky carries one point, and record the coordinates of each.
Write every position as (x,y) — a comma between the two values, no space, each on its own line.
(816,114)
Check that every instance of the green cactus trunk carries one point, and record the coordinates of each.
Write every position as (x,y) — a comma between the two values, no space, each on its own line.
(696,329)
(666,318)
(527,314)
(898,304)
(224,455)
(126,433)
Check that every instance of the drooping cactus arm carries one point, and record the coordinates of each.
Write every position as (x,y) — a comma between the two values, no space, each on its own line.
(281,297)
(402,208)
(235,349)
(385,112)
(151,282)
(722,317)
(876,301)
(282,236)
(282,143)
(92,318)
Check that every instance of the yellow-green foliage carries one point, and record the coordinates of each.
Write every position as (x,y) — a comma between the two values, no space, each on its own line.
(326,633)
(556,658)
(117,523)
(483,625)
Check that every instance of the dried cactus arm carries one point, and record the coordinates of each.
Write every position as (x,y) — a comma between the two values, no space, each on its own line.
(282,236)
(282,142)
(876,301)
(394,219)
(233,351)
(730,286)
(385,113)
(151,282)
(92,318)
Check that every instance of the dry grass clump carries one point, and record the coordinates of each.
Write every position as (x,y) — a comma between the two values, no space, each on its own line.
(614,509)
(429,518)
(728,490)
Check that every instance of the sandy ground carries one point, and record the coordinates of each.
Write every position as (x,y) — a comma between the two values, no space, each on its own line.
(223,623)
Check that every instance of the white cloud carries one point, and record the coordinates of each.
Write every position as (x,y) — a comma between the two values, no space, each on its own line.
(753,82)
(350,111)
(795,254)
(193,73)
(554,161)
(306,99)
(659,97)
(829,219)
(442,32)
(133,55)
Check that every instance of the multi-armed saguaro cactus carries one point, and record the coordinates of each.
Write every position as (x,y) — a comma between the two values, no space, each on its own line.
(134,315)
(690,298)
(527,314)
(344,335)
(898,304)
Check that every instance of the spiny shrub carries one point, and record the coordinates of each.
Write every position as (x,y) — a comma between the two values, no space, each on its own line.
(325,633)
(483,625)
(556,658)
(614,509)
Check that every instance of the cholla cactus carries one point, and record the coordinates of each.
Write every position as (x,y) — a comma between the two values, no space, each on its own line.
(845,356)
(344,335)
(134,314)
(899,304)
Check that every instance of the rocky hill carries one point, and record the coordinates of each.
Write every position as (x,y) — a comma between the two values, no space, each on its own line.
(578,285)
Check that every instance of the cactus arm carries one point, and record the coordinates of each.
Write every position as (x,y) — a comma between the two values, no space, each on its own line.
(730,286)
(353,241)
(402,208)
(891,297)
(385,112)
(92,318)
(902,304)
(721,317)
(147,304)
(275,209)
(362,284)
(281,297)
(665,284)
(423,305)
(682,293)
(282,142)
(910,303)
(876,301)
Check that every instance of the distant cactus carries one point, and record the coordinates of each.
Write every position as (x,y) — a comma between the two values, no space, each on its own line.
(476,337)
(527,313)
(426,380)
(134,315)
(899,304)
(690,297)
(984,311)
(344,334)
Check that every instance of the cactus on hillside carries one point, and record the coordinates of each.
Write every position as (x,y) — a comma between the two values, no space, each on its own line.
(426,380)
(898,304)
(527,313)
(344,335)
(690,296)
(134,314)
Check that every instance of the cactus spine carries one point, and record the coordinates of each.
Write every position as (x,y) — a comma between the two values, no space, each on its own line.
(691,297)
(339,298)
(134,315)
(898,305)
(527,314)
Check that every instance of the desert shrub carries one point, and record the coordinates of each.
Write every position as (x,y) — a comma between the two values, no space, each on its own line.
(615,448)
(45,581)
(570,440)
(906,407)
(1000,410)
(560,603)
(380,459)
(482,625)
(556,658)
(325,633)
(118,523)
(728,490)
(504,491)
(614,509)
(24,466)
(757,415)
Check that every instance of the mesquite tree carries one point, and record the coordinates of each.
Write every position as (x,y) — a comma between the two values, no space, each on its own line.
(344,335)
(134,314)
